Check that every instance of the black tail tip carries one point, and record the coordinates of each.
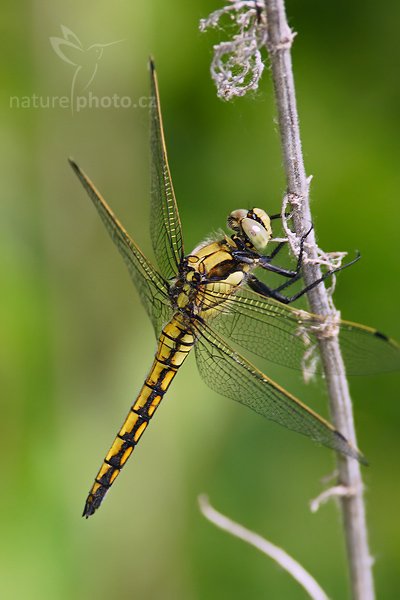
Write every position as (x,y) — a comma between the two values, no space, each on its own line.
(89,509)
(94,500)
(91,505)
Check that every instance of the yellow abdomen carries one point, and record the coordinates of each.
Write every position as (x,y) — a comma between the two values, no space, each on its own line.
(174,345)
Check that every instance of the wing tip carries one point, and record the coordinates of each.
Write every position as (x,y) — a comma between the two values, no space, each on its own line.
(382,336)
(350,450)
(73,164)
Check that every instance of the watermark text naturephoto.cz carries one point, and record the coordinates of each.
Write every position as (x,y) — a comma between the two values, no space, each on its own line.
(79,103)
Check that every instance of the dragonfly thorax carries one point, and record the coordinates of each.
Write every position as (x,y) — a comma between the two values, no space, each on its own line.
(252,226)
(208,277)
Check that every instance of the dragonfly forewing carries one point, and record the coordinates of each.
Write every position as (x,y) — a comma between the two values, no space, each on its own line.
(165,225)
(152,288)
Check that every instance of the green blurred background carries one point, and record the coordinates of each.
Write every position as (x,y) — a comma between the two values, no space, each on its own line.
(75,341)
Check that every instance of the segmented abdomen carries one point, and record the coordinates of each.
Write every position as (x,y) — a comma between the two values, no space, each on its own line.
(174,345)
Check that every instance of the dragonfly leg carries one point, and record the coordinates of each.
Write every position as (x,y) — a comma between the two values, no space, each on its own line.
(263,289)
(276,250)
(294,275)
(289,282)
(244,255)
(279,216)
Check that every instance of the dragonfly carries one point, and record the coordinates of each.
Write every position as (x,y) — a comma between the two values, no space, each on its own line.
(206,298)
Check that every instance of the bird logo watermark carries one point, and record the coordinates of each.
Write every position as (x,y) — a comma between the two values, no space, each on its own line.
(84,62)
(84,59)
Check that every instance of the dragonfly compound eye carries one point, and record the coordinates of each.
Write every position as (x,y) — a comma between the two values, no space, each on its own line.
(235,219)
(257,234)
(258,214)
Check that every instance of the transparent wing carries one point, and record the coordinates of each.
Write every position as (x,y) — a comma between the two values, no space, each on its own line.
(152,288)
(233,376)
(283,334)
(166,231)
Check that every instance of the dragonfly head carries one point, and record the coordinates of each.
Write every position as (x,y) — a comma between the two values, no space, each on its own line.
(254,226)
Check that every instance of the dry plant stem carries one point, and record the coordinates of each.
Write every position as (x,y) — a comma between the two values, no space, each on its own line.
(280,39)
(277,554)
